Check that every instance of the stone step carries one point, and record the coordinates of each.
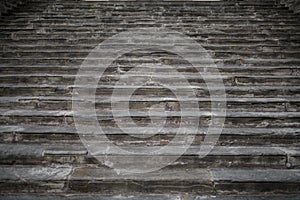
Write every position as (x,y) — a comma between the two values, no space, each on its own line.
(230,136)
(258,197)
(163,60)
(145,197)
(107,181)
(24,53)
(220,156)
(145,103)
(163,11)
(197,180)
(179,27)
(199,37)
(31,28)
(75,196)
(6,69)
(211,45)
(33,179)
(111,79)
(27,52)
(89,16)
(143,5)
(40,34)
(15,47)
(167,2)
(136,6)
(144,21)
(142,119)
(150,91)
(158,14)
(45,33)
(139,8)
(60,18)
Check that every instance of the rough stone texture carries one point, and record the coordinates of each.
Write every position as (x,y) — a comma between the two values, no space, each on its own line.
(34,173)
(245,181)
(90,197)
(33,179)
(7,5)
(108,181)
(292,4)
(292,197)
(144,197)
(255,45)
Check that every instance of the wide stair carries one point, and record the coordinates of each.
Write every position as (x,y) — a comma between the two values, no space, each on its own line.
(255,45)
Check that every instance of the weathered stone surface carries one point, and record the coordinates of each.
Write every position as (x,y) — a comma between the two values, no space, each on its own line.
(254,44)
(7,5)
(33,179)
(258,180)
(261,197)
(89,197)
(291,4)
(108,181)
(32,173)
(257,175)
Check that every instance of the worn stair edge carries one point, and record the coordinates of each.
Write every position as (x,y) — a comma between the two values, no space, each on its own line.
(183,196)
(104,180)
(89,197)
(229,136)
(37,129)
(201,181)
(19,149)
(220,156)
(124,113)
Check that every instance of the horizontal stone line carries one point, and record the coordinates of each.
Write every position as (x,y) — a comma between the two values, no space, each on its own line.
(37,129)
(238,88)
(21,99)
(124,114)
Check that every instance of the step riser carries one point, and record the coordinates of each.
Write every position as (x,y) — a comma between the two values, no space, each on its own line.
(161,139)
(230,92)
(182,162)
(267,71)
(247,122)
(224,62)
(215,55)
(145,106)
(230,81)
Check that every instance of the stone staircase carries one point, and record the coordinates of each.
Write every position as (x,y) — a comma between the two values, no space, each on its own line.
(256,46)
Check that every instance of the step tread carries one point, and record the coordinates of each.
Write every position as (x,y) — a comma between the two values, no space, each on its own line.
(34,173)
(36,129)
(90,197)
(124,113)
(39,150)
(152,99)
(70,196)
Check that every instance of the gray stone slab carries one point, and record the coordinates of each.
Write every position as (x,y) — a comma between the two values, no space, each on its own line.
(89,197)
(39,150)
(240,151)
(102,174)
(256,175)
(34,173)
(21,150)
(121,113)
(250,197)
(291,151)
(27,129)
(194,150)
